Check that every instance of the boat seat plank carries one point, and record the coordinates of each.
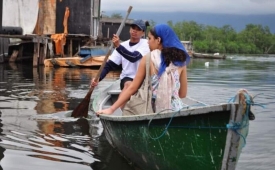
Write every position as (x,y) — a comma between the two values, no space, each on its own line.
(106,106)
(112,92)
(192,102)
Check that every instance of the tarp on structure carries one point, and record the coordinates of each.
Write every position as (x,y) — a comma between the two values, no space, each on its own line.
(21,13)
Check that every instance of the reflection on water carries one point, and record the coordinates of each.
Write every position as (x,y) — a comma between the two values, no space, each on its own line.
(55,98)
(66,143)
(50,90)
(2,150)
(50,143)
(48,140)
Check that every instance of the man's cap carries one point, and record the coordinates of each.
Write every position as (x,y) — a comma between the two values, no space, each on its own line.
(140,23)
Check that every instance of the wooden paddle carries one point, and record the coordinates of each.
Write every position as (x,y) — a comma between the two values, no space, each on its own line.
(82,109)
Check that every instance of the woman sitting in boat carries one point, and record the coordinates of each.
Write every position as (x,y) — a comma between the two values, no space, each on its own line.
(168,72)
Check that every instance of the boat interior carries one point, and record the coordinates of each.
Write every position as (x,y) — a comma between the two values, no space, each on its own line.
(112,96)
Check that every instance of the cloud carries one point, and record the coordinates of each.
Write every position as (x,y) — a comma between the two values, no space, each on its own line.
(208,6)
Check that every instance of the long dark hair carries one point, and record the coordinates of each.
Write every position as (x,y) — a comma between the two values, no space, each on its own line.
(169,54)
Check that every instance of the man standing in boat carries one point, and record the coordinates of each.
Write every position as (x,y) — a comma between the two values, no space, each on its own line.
(127,54)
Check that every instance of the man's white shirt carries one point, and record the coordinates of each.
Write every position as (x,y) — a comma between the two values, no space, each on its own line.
(129,69)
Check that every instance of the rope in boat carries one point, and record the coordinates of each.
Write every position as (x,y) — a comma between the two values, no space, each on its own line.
(235,126)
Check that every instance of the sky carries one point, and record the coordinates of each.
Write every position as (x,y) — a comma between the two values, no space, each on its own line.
(245,7)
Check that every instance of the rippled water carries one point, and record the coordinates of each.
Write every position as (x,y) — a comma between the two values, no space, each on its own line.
(28,143)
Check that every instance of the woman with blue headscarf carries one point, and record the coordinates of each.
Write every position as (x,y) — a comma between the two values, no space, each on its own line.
(168,72)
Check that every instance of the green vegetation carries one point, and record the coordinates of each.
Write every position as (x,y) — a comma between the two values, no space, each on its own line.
(114,15)
(254,39)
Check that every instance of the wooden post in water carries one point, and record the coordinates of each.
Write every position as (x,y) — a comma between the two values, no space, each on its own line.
(43,50)
(71,48)
(35,54)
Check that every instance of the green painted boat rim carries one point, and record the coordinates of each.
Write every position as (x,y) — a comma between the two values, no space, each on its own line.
(185,112)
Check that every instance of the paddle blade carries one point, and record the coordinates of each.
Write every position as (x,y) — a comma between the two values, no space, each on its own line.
(82,109)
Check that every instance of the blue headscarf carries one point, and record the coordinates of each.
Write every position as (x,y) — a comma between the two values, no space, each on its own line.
(170,39)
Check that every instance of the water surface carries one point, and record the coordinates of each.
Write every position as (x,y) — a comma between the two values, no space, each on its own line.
(27,143)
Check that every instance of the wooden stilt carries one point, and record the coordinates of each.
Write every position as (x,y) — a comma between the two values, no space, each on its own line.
(50,45)
(67,54)
(71,48)
(43,51)
(41,74)
(62,50)
(35,54)
(78,45)
(41,54)
(35,75)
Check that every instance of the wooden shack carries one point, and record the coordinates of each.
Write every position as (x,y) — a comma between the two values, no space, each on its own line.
(80,26)
(56,28)
(110,26)
(83,17)
(40,19)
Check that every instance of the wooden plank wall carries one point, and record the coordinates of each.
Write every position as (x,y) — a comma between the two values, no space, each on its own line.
(46,19)
(79,21)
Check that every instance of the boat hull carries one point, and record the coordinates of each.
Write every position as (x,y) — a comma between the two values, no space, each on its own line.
(176,149)
(197,137)
(87,57)
(74,61)
(191,142)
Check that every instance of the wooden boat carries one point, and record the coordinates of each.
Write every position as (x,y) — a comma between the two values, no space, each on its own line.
(209,56)
(74,61)
(199,136)
(87,57)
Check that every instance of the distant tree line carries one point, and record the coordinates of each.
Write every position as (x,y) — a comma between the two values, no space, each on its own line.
(254,39)
(114,15)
